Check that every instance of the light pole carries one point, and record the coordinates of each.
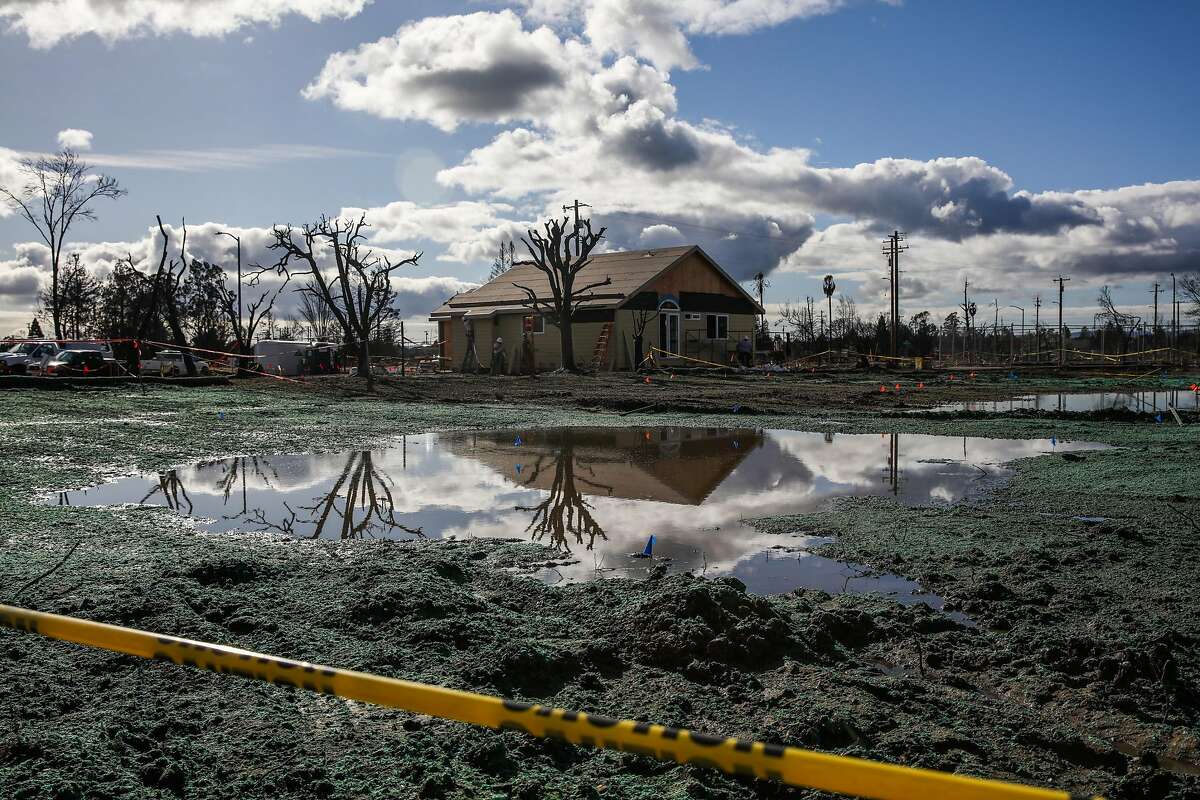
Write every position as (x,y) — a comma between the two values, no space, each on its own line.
(1018,308)
(240,331)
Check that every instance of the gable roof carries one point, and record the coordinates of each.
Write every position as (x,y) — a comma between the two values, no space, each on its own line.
(629,270)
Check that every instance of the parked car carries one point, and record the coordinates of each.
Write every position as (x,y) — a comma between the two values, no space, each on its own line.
(170,362)
(39,367)
(71,363)
(17,360)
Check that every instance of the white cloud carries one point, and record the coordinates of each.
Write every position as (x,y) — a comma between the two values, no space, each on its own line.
(10,176)
(75,139)
(49,22)
(471,231)
(482,67)
(223,158)
(658,30)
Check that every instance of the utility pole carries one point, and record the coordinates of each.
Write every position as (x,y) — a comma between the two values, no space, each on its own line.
(1037,328)
(576,206)
(1060,280)
(1174,337)
(1154,327)
(995,326)
(966,321)
(1010,333)
(893,245)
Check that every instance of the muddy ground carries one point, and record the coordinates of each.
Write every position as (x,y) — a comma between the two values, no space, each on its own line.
(706,391)
(1082,672)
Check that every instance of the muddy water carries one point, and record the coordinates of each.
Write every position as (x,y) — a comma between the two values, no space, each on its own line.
(595,494)
(1142,402)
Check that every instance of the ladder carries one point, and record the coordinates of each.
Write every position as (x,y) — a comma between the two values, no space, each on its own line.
(600,354)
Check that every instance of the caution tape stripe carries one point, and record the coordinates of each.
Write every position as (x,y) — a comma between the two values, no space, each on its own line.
(842,774)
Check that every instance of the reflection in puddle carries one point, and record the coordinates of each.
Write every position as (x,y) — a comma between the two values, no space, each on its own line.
(1144,402)
(594,494)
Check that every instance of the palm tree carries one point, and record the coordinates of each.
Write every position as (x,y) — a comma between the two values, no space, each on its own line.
(829,287)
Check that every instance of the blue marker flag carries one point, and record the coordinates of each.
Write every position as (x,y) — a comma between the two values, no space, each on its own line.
(649,551)
(517,442)
(1053,441)
(518,469)
(1158,418)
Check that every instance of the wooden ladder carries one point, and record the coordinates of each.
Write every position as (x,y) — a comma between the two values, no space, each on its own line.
(600,354)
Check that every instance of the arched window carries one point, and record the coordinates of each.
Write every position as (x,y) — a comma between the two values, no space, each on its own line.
(668,325)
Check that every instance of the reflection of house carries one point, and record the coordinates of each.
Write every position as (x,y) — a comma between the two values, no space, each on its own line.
(681,466)
(698,310)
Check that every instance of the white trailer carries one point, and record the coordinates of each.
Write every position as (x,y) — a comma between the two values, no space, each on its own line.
(280,357)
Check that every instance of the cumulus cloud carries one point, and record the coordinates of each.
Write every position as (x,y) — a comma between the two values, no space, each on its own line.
(48,22)
(482,67)
(470,231)
(10,176)
(1143,231)
(658,30)
(75,138)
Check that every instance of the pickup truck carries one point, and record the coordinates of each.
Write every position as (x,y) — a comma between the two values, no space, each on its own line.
(19,359)
(170,362)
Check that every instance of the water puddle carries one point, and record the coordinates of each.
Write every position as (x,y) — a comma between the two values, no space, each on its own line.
(594,494)
(1142,402)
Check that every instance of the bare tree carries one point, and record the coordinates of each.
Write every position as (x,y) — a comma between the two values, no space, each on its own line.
(829,287)
(503,261)
(58,189)
(560,255)
(640,320)
(1189,285)
(78,293)
(172,291)
(848,319)
(359,293)
(316,316)
(1125,324)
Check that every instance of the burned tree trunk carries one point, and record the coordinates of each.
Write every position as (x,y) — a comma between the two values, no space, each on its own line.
(560,256)
(358,293)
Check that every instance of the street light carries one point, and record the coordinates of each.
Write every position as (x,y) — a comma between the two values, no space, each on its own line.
(1018,308)
(240,329)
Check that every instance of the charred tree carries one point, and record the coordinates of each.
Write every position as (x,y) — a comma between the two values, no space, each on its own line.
(58,190)
(560,254)
(358,290)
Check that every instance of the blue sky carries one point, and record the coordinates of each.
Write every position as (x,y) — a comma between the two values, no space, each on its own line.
(1052,99)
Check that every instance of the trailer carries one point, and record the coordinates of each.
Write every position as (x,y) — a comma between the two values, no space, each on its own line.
(281,357)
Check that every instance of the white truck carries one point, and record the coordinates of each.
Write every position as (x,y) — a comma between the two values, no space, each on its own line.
(170,362)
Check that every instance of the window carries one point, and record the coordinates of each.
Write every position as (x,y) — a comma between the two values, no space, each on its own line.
(716,326)
(539,323)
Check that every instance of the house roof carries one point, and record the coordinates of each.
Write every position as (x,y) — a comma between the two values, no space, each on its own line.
(629,270)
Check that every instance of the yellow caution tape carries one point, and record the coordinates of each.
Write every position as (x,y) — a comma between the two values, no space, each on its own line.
(852,776)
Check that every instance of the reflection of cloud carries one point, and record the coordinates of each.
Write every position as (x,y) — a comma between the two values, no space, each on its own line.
(689,487)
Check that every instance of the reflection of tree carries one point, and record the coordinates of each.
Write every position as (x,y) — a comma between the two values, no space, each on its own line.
(173,491)
(564,511)
(235,470)
(360,488)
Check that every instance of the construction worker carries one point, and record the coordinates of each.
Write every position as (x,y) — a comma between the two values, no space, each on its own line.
(470,361)
(745,351)
(498,356)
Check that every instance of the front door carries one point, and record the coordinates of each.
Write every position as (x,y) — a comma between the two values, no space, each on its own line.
(668,331)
